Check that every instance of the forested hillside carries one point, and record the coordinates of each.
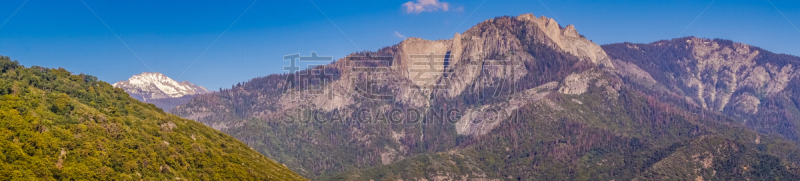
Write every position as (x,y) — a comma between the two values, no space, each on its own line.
(55,125)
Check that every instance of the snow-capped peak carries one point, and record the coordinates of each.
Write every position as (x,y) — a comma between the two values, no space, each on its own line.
(153,85)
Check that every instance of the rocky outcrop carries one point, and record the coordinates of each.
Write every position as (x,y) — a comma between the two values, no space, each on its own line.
(577,83)
(747,103)
(479,121)
(568,39)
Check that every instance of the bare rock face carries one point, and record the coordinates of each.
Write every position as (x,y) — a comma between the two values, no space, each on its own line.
(717,69)
(479,121)
(747,103)
(578,83)
(498,49)
(634,72)
(568,39)
(416,46)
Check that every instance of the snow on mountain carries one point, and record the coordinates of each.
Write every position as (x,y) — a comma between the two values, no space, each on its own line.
(149,86)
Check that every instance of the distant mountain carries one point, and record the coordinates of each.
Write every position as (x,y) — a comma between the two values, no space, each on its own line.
(55,125)
(160,90)
(759,87)
(523,98)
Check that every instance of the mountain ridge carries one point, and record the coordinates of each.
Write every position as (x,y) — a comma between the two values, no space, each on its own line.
(564,110)
(737,79)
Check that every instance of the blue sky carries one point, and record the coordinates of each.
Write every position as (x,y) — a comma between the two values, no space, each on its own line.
(168,36)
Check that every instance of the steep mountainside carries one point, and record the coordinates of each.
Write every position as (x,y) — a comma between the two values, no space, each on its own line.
(759,87)
(594,136)
(518,98)
(55,125)
(158,89)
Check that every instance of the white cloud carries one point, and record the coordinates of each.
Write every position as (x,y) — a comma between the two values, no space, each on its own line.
(397,34)
(425,6)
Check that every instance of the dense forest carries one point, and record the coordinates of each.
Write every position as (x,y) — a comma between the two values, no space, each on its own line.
(55,125)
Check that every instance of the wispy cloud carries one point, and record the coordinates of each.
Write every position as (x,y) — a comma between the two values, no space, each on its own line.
(426,6)
(397,34)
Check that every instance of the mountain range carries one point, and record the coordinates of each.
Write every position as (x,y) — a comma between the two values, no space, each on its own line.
(524,98)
